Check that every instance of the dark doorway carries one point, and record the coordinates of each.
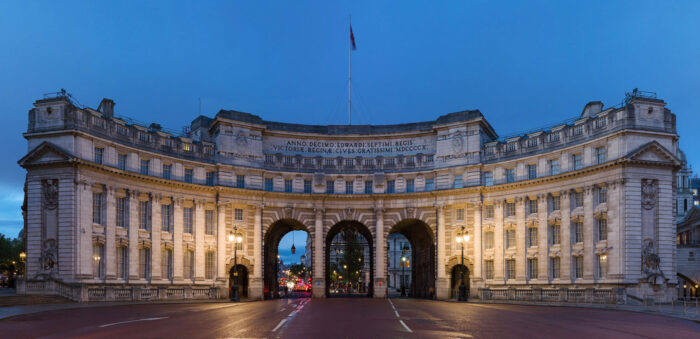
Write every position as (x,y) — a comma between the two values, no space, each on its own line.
(271,267)
(422,257)
(242,277)
(457,272)
(349,260)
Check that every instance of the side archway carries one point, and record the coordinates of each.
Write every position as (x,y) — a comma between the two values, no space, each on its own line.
(422,263)
(454,269)
(243,268)
(271,242)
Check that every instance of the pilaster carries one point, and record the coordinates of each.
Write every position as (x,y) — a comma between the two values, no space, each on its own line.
(110,251)
(178,229)
(198,241)
(499,243)
(156,232)
(588,234)
(221,241)
(319,283)
(520,244)
(380,287)
(133,249)
(565,258)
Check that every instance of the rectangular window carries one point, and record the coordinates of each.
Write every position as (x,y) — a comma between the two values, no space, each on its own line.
(240,181)
(288,185)
(532,237)
(238,214)
(555,267)
(601,122)
(144,137)
(510,209)
(532,268)
(578,267)
(188,265)
(98,254)
(209,222)
(531,206)
(488,269)
(187,219)
(269,159)
(328,162)
(210,179)
(187,147)
(330,187)
(556,203)
(459,213)
(600,155)
(578,199)
(489,212)
(602,267)
(121,161)
(554,136)
(391,186)
(510,269)
(510,147)
(602,229)
(428,159)
(532,142)
(555,234)
(578,130)
(144,263)
(167,171)
(122,261)
(188,175)
(532,172)
(410,161)
(429,184)
(144,166)
(349,187)
(209,265)
(488,240)
(389,162)
(97,208)
(122,130)
(510,175)
(578,232)
(165,217)
(488,178)
(576,159)
(368,186)
(409,186)
(166,264)
(143,215)
(458,181)
(554,166)
(602,194)
(308,162)
(307,186)
(510,238)
(349,162)
(122,210)
(99,152)
(269,186)
(289,161)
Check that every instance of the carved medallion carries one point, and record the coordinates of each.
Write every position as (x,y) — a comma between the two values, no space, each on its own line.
(51,193)
(649,193)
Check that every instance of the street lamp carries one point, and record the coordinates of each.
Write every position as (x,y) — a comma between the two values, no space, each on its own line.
(22,258)
(403,269)
(235,239)
(462,238)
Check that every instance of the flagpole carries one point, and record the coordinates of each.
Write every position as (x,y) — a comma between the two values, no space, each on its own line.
(350,76)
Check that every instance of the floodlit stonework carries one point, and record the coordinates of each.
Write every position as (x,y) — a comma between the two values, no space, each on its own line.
(120,211)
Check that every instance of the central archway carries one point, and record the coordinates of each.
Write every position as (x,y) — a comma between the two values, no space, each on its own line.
(422,252)
(271,261)
(354,236)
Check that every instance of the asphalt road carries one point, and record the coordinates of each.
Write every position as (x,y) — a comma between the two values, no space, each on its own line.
(344,318)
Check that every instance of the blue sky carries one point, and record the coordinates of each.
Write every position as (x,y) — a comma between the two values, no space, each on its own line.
(524,64)
(298,238)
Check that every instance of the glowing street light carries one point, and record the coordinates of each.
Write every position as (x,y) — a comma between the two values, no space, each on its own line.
(236,239)
(463,239)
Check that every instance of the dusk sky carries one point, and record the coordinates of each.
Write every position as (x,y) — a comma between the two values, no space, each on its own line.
(524,64)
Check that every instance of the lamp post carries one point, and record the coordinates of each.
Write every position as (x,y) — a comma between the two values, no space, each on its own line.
(462,238)
(235,239)
(403,269)
(22,258)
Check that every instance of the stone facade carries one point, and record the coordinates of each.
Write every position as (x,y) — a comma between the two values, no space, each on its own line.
(116,206)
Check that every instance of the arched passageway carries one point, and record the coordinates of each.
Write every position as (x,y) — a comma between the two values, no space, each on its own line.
(458,273)
(422,253)
(271,259)
(238,276)
(349,260)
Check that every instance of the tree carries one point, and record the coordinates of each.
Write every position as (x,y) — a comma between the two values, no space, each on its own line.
(353,257)
(9,254)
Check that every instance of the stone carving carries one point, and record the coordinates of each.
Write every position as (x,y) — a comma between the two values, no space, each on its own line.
(241,140)
(457,143)
(48,255)
(349,213)
(649,194)
(51,193)
(651,263)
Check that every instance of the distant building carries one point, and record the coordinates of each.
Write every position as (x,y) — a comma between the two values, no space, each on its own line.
(398,270)
(685,193)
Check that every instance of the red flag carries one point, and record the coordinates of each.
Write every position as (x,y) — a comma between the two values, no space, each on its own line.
(352,39)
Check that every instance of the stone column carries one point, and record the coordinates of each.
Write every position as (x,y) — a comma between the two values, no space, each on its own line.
(542,238)
(565,233)
(499,243)
(319,280)
(85,222)
(477,276)
(133,265)
(198,241)
(588,234)
(255,289)
(110,251)
(156,229)
(614,230)
(520,244)
(442,286)
(380,287)
(178,230)
(221,242)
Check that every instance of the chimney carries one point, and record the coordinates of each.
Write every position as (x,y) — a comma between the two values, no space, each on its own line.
(592,108)
(106,107)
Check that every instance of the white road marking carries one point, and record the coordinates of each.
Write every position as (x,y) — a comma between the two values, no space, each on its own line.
(394,308)
(284,322)
(397,314)
(279,325)
(132,321)
(406,327)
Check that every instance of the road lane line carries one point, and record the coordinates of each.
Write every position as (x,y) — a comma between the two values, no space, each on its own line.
(279,325)
(406,327)
(132,321)
(395,311)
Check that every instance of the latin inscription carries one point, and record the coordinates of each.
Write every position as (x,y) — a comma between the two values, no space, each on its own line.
(349,148)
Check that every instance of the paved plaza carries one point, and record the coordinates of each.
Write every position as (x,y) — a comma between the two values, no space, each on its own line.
(344,318)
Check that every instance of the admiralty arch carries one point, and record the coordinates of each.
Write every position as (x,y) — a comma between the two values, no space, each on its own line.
(120,210)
